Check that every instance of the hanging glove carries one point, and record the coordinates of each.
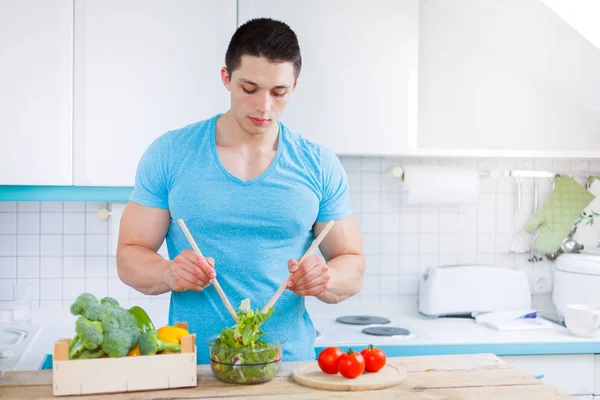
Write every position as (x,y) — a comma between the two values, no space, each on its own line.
(555,219)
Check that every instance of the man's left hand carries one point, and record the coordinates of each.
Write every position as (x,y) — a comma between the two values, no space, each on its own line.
(310,278)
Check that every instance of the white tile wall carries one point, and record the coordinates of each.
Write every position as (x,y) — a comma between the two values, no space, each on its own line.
(400,241)
(62,249)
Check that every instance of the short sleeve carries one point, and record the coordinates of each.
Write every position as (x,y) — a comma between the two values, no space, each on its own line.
(152,175)
(335,200)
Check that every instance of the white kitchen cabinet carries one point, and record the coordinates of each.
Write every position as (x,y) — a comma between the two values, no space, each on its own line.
(357,91)
(143,68)
(596,374)
(36,102)
(571,373)
(506,78)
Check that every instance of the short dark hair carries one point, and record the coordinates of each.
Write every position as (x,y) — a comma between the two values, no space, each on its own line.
(264,37)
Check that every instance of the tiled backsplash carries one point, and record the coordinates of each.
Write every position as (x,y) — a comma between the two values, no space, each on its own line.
(62,248)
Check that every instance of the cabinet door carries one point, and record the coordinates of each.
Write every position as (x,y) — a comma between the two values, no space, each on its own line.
(36,102)
(357,91)
(506,77)
(143,68)
(597,375)
(571,373)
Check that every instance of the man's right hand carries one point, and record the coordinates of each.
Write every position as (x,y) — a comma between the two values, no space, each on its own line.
(189,271)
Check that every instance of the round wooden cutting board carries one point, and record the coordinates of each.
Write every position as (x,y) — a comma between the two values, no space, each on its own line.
(311,375)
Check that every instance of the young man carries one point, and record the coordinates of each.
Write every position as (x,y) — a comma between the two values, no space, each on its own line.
(254,195)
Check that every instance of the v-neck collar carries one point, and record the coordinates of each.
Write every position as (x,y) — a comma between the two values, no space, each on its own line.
(232,177)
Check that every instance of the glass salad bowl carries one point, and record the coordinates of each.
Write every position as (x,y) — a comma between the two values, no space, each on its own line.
(246,365)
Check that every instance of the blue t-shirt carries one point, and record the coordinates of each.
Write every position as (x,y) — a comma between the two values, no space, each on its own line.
(251,228)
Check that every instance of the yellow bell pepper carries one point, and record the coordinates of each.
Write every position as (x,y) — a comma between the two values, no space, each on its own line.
(171,334)
(135,351)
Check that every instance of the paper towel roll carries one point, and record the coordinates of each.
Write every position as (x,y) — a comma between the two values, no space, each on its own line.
(441,185)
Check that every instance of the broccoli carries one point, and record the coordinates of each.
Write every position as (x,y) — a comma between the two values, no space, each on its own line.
(88,337)
(111,301)
(102,328)
(151,344)
(121,332)
(83,302)
(91,354)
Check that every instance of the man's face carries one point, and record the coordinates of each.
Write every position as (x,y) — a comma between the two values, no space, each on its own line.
(260,90)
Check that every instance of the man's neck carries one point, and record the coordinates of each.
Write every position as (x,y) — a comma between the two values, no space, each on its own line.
(231,134)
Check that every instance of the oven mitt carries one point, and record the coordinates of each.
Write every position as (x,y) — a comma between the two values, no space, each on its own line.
(555,219)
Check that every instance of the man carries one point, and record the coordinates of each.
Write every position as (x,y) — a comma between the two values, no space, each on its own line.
(254,195)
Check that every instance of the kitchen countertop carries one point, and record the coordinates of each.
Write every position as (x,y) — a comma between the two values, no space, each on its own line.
(429,377)
(432,336)
(429,336)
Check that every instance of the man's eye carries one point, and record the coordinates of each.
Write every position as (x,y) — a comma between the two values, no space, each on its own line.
(248,91)
(279,94)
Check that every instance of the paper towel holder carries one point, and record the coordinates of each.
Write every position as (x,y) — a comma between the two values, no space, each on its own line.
(397,171)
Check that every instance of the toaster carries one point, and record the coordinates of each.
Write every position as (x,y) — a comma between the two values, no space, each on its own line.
(460,290)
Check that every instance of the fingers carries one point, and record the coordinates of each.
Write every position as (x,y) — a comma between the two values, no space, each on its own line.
(313,291)
(292,266)
(298,271)
(314,277)
(205,264)
(191,271)
(181,280)
(310,278)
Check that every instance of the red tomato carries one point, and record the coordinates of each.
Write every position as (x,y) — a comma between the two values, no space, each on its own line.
(328,360)
(351,364)
(374,358)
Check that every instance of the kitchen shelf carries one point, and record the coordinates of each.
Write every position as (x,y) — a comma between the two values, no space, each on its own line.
(64,193)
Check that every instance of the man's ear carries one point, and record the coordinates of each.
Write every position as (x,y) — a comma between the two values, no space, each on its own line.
(294,87)
(226,78)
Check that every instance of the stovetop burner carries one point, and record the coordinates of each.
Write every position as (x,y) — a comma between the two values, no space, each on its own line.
(362,320)
(386,331)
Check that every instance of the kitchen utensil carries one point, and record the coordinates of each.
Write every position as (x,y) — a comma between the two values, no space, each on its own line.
(533,256)
(311,375)
(519,181)
(463,289)
(570,245)
(192,242)
(312,248)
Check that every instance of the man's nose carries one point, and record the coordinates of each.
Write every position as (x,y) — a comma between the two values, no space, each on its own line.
(263,102)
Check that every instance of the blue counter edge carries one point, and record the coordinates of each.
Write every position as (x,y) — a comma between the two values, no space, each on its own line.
(499,349)
(65,193)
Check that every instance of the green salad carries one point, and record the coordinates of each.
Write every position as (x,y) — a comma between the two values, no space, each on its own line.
(240,354)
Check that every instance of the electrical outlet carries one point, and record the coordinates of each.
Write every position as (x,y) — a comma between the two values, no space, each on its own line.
(541,285)
(542,280)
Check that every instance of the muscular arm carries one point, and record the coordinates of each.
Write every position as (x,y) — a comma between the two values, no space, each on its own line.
(342,249)
(141,233)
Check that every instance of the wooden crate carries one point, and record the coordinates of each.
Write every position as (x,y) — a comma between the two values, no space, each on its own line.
(124,374)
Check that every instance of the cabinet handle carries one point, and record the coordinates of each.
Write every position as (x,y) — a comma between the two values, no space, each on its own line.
(103,214)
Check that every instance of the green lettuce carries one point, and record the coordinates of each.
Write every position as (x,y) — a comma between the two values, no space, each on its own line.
(241,354)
